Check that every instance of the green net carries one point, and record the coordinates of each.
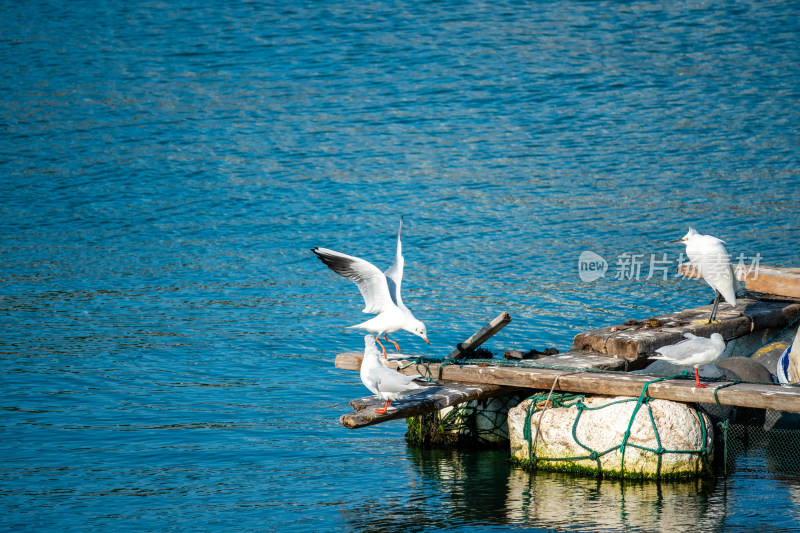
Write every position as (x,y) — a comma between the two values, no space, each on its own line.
(540,402)
(742,437)
(472,424)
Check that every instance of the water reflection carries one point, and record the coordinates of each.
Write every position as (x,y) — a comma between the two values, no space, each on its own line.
(452,489)
(557,500)
(481,489)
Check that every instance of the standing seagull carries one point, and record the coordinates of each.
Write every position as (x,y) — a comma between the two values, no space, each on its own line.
(381,292)
(708,254)
(694,351)
(385,383)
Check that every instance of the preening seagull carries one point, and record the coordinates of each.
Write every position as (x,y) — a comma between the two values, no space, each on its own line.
(384,382)
(694,351)
(708,254)
(381,292)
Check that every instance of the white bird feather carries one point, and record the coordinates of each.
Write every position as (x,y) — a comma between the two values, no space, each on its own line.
(380,290)
(693,351)
(708,254)
(385,383)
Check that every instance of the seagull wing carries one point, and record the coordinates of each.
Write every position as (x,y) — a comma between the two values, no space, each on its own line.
(391,381)
(370,281)
(394,274)
(681,351)
(371,383)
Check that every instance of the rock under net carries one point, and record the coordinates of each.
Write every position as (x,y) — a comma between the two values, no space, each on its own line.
(577,463)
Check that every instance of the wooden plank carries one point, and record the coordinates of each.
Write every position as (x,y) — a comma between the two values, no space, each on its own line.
(766,279)
(637,340)
(431,398)
(480,336)
(583,360)
(572,359)
(771,280)
(525,375)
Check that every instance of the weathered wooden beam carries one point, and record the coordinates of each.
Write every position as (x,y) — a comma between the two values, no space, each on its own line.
(573,359)
(480,336)
(431,398)
(524,375)
(637,340)
(584,360)
(765,279)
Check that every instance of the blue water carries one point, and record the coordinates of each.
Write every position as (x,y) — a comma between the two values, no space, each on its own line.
(167,345)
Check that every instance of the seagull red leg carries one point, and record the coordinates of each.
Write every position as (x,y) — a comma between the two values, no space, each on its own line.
(393,342)
(378,340)
(697,379)
(383,410)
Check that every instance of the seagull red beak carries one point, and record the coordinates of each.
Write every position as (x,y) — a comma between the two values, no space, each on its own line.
(426,340)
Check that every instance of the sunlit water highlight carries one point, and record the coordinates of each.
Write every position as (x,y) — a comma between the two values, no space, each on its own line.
(168,338)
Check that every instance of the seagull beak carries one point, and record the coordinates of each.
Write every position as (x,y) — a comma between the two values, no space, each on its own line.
(426,340)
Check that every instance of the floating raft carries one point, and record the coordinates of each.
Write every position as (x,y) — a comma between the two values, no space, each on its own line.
(595,365)
(760,396)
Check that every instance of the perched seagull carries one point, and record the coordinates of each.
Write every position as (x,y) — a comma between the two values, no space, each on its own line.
(694,351)
(708,254)
(385,383)
(381,292)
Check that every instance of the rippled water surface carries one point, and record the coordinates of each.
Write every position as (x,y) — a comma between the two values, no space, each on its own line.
(168,339)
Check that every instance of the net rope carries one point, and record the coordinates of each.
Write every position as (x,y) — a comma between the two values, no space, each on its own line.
(738,433)
(540,402)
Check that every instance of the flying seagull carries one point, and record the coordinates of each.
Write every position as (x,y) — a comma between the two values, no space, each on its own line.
(381,292)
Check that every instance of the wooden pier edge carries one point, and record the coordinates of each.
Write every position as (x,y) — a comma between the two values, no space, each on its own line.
(637,340)
(431,398)
(759,396)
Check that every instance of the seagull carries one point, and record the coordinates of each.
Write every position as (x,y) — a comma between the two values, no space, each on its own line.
(381,292)
(385,383)
(708,255)
(694,351)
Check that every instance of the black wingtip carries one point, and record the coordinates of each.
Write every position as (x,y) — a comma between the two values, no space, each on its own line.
(319,254)
(337,263)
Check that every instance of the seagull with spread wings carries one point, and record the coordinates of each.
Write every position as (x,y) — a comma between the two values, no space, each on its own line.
(381,292)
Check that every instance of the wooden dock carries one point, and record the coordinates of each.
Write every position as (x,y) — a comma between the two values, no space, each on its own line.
(431,398)
(636,340)
(598,362)
(525,375)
